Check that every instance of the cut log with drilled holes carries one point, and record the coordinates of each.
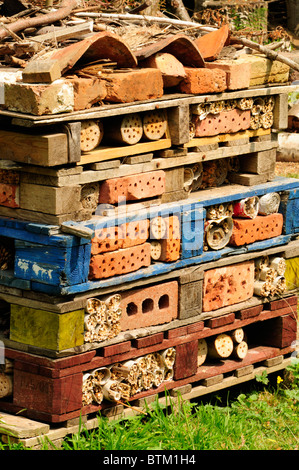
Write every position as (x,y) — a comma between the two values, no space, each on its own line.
(6,385)
(220,347)
(237,335)
(157,228)
(156,250)
(202,351)
(240,350)
(92,133)
(154,124)
(127,130)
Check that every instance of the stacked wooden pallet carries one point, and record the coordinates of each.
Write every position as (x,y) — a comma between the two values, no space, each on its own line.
(155,261)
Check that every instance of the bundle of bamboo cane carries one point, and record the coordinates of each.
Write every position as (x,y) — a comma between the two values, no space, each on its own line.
(121,381)
(270,276)
(102,318)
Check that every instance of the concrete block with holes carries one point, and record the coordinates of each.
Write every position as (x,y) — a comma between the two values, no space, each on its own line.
(228,285)
(132,188)
(150,306)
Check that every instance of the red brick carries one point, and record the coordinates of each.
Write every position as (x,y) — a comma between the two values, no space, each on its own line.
(135,233)
(130,188)
(120,262)
(134,85)
(87,91)
(148,341)
(226,122)
(203,81)
(149,306)
(116,238)
(115,349)
(9,195)
(221,321)
(171,244)
(250,312)
(106,239)
(260,228)
(237,74)
(228,285)
(281,303)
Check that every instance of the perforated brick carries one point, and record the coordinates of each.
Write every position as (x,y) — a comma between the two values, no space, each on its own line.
(228,285)
(150,306)
(260,228)
(120,262)
(9,195)
(119,237)
(131,188)
(171,244)
(226,122)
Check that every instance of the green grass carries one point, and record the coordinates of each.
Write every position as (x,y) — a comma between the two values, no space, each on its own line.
(264,416)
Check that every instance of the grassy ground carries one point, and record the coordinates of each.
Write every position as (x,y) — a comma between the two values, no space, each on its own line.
(261,415)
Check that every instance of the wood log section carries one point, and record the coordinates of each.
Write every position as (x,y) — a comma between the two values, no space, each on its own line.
(202,351)
(220,347)
(171,68)
(158,228)
(154,124)
(240,350)
(6,385)
(91,136)
(237,335)
(127,130)
(156,250)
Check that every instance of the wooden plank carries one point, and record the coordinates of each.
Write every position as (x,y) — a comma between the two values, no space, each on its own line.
(111,153)
(103,170)
(43,150)
(198,141)
(50,200)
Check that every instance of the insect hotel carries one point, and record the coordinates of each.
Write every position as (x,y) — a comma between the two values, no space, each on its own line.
(144,236)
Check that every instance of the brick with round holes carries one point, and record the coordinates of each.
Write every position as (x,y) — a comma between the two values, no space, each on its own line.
(171,243)
(119,237)
(226,122)
(132,188)
(120,262)
(247,231)
(9,195)
(228,285)
(149,306)
(135,232)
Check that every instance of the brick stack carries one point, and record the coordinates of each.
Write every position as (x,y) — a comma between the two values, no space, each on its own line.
(128,269)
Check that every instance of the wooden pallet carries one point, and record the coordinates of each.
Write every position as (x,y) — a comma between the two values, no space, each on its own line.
(33,434)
